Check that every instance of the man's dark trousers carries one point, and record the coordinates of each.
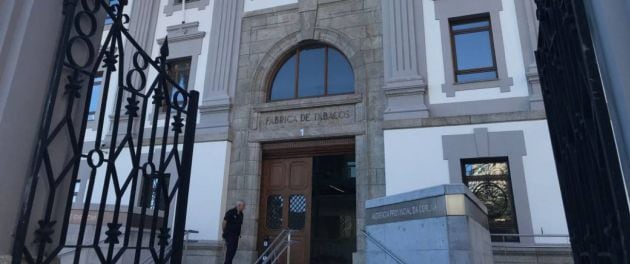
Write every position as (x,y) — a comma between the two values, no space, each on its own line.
(231,242)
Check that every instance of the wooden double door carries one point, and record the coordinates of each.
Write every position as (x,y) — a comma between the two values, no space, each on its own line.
(286,202)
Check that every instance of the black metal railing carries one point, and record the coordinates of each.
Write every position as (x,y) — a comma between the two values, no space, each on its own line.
(382,247)
(589,172)
(142,143)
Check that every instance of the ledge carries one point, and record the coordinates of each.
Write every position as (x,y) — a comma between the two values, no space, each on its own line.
(270,10)
(441,190)
(503,84)
(514,249)
(465,120)
(205,245)
(309,103)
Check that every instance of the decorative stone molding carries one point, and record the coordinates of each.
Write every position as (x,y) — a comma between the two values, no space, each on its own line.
(482,143)
(535,93)
(182,32)
(406,103)
(309,103)
(404,59)
(308,17)
(349,48)
(171,6)
(185,40)
(456,8)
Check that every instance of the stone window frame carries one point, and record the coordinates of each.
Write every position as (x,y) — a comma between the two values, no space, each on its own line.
(171,6)
(505,177)
(185,40)
(265,71)
(446,10)
(174,61)
(482,144)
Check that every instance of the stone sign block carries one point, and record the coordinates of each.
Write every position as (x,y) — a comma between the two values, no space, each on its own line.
(443,224)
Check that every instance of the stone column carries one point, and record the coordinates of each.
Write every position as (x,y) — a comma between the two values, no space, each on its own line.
(404,59)
(222,68)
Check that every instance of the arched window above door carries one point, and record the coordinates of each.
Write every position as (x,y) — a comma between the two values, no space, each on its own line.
(312,71)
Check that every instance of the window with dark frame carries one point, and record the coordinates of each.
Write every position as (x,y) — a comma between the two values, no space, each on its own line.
(187,1)
(473,49)
(489,180)
(76,188)
(153,196)
(97,90)
(312,71)
(179,71)
(275,204)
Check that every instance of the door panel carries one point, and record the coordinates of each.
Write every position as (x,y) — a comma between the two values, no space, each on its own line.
(286,204)
(277,177)
(298,180)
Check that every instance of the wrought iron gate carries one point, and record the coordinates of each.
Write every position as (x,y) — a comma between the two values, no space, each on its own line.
(149,143)
(588,167)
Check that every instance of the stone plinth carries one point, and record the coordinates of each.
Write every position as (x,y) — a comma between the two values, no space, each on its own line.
(443,224)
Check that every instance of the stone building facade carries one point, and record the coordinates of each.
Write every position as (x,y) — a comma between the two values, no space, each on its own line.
(406,123)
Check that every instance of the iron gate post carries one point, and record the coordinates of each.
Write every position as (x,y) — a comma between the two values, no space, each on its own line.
(182,195)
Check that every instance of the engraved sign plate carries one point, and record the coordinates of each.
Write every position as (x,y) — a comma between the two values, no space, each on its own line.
(324,116)
(405,211)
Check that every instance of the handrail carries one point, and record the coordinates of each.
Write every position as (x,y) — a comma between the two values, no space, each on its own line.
(281,243)
(382,247)
(533,236)
(272,245)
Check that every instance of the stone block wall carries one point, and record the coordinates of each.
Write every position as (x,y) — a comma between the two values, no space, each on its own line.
(353,27)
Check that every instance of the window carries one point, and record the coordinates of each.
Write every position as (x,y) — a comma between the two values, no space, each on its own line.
(312,71)
(96,96)
(179,71)
(109,20)
(489,180)
(275,204)
(76,187)
(153,195)
(473,49)
(297,211)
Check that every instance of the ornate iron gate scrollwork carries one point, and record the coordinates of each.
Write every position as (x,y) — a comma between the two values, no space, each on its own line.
(588,166)
(156,117)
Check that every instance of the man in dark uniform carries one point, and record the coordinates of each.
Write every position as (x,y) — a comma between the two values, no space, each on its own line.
(232,223)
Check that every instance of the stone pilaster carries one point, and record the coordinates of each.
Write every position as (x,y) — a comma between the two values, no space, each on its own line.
(404,59)
(143,17)
(222,70)
(528,31)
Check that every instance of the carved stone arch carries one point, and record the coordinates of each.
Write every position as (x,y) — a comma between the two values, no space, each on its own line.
(269,62)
